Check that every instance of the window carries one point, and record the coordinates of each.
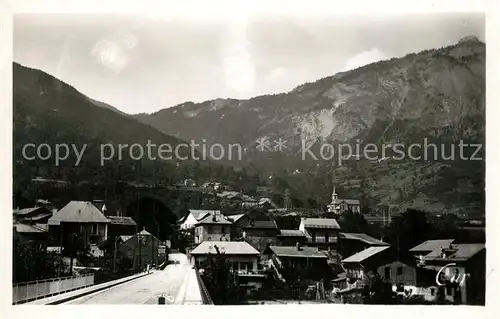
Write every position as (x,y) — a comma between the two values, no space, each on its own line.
(209,229)
(223,230)
(93,229)
(313,235)
(326,237)
(400,271)
(387,272)
(249,266)
(433,291)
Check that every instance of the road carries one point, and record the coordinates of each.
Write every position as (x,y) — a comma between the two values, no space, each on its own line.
(144,290)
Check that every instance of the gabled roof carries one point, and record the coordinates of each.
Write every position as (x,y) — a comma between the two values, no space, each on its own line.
(364,238)
(365,254)
(349,201)
(431,245)
(262,224)
(292,251)
(235,218)
(122,220)
(78,212)
(36,228)
(28,211)
(199,214)
(291,233)
(457,252)
(214,219)
(320,223)
(226,247)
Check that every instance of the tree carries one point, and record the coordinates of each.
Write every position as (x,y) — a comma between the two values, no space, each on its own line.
(220,282)
(409,229)
(376,291)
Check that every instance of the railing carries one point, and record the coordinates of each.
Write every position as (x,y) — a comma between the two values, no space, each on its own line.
(34,290)
(205,296)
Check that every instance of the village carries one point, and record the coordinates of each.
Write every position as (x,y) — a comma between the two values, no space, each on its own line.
(249,255)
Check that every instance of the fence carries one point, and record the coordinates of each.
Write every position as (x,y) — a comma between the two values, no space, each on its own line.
(205,295)
(33,290)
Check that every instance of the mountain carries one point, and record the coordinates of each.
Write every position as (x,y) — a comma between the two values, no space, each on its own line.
(435,94)
(47,110)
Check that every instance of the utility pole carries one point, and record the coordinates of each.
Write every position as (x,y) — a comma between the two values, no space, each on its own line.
(60,251)
(114,254)
(72,253)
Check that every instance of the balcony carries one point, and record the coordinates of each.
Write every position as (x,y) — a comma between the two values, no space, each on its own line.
(322,240)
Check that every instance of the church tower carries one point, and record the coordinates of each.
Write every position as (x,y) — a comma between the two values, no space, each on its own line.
(334,195)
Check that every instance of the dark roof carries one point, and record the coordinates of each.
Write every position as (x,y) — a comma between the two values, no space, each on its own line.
(365,254)
(122,220)
(78,212)
(217,219)
(292,251)
(364,238)
(350,201)
(431,245)
(262,224)
(235,218)
(320,223)
(291,233)
(457,252)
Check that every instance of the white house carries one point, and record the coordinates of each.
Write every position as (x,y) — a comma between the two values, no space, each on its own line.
(194,216)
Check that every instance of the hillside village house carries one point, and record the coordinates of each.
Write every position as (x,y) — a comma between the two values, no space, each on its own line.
(213,227)
(321,232)
(239,221)
(261,233)
(351,243)
(309,262)
(142,249)
(193,217)
(361,264)
(242,257)
(290,237)
(464,277)
(82,218)
(429,246)
(339,206)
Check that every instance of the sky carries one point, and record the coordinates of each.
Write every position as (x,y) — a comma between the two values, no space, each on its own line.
(140,63)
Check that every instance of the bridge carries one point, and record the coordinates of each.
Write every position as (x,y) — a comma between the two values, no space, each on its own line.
(179,283)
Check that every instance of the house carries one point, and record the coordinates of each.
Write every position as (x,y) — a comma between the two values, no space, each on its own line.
(351,243)
(193,217)
(461,270)
(322,232)
(33,215)
(32,231)
(213,227)
(121,225)
(242,257)
(82,218)
(142,249)
(429,246)
(291,261)
(290,237)
(361,264)
(261,233)
(339,206)
(239,221)
(406,277)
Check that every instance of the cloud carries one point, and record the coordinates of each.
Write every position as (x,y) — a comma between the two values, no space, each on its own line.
(364,58)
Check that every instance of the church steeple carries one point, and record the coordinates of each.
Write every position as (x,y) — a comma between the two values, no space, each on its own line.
(334,194)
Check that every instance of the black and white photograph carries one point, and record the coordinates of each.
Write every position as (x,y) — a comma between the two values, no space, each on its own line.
(248,158)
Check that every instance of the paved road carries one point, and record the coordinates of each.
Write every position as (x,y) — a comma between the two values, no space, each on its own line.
(144,290)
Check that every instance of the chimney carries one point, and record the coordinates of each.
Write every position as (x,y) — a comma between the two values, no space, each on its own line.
(298,246)
(214,218)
